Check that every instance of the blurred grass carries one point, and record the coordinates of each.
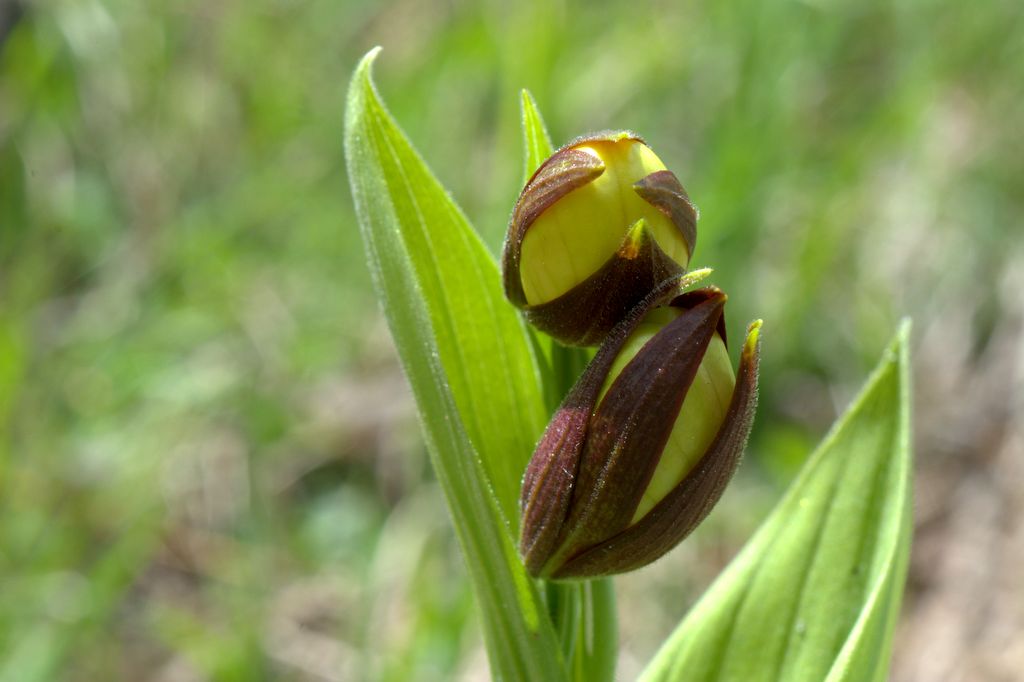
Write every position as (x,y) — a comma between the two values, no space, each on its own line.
(209,465)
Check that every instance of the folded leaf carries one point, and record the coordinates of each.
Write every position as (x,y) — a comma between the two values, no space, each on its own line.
(816,593)
(469,362)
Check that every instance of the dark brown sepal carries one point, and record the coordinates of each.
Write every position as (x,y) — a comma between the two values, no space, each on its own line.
(691,299)
(682,510)
(663,190)
(584,315)
(566,170)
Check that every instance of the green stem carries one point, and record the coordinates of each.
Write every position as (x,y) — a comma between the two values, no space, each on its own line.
(599,631)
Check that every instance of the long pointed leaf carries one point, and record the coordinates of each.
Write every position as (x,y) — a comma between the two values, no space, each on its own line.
(536,140)
(469,362)
(481,341)
(816,592)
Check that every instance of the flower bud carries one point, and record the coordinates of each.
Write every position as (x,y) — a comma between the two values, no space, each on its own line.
(644,444)
(599,225)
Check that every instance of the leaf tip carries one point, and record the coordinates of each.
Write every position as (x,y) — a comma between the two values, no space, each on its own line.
(897,353)
(902,338)
(363,74)
(367,61)
(526,101)
(360,92)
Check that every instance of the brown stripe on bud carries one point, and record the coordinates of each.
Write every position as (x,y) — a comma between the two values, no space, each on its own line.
(663,190)
(583,315)
(566,170)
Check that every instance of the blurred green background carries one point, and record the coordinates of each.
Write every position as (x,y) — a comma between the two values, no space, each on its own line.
(210,466)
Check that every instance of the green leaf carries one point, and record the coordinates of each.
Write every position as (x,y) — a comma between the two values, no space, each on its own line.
(468,359)
(536,140)
(816,593)
(409,222)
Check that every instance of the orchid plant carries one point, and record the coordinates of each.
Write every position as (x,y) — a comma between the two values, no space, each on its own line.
(814,594)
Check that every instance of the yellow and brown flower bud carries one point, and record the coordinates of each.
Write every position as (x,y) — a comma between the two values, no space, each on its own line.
(599,225)
(644,444)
